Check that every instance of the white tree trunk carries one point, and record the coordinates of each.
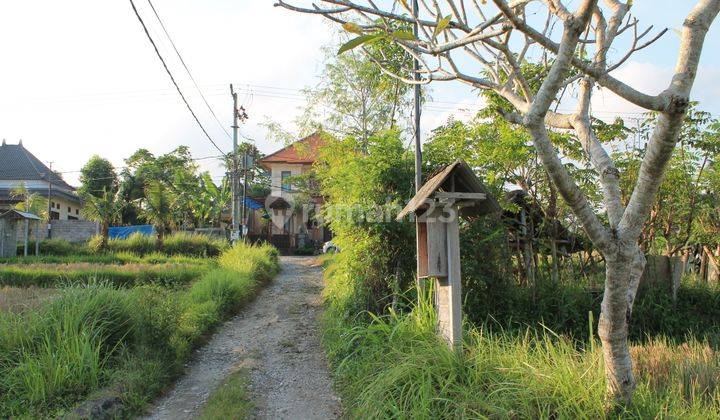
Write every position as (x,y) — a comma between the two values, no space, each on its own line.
(622,276)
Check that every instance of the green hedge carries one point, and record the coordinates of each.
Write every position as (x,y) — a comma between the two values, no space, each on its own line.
(131,340)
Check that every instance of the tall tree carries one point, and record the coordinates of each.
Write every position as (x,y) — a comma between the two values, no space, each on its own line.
(575,53)
(357,98)
(98,176)
(176,170)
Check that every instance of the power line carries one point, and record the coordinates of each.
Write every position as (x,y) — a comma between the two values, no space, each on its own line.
(125,167)
(132,3)
(162,25)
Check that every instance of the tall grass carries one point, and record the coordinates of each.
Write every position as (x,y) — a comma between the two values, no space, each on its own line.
(136,339)
(62,351)
(128,275)
(395,366)
(107,258)
(180,243)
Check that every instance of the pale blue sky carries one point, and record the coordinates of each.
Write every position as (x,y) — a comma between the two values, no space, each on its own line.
(80,78)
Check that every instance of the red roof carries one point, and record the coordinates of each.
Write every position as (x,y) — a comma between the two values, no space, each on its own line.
(303,151)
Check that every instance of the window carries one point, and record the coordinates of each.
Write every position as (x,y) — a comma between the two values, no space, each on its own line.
(77,211)
(285,177)
(69,209)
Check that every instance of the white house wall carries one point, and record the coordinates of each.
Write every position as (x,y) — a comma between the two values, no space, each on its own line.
(276,171)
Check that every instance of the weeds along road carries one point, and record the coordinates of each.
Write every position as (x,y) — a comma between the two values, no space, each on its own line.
(276,340)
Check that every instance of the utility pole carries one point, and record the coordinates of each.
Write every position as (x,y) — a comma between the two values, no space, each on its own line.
(234,170)
(416,76)
(49,208)
(418,151)
(246,163)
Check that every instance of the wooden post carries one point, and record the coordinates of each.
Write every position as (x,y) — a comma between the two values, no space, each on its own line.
(37,238)
(438,238)
(27,234)
(448,290)
(2,239)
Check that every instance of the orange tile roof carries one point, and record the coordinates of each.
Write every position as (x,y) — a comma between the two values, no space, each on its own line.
(302,151)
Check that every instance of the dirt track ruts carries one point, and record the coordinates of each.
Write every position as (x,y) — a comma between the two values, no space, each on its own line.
(277,339)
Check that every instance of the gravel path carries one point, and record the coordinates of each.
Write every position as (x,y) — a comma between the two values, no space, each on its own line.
(277,339)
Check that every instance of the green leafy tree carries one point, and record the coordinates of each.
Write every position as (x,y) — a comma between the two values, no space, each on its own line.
(97,177)
(176,170)
(364,190)
(357,97)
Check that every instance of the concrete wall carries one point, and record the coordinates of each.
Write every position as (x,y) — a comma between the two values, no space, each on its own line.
(74,230)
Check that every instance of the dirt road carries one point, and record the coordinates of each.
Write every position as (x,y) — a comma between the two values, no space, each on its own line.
(277,339)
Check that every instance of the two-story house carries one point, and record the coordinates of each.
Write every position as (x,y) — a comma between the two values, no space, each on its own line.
(292,211)
(20,167)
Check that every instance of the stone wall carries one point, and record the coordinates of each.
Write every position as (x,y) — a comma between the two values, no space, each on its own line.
(74,230)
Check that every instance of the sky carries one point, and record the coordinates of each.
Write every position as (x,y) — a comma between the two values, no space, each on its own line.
(80,78)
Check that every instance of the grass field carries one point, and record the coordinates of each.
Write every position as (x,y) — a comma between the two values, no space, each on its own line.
(125,326)
(394,366)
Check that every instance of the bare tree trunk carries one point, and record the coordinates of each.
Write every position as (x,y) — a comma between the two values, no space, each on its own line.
(622,276)
(104,234)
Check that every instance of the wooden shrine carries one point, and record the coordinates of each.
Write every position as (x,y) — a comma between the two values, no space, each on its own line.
(450,193)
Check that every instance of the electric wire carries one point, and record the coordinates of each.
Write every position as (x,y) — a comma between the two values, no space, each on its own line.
(132,3)
(162,25)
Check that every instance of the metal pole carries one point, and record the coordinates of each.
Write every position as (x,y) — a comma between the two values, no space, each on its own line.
(234,169)
(416,76)
(49,215)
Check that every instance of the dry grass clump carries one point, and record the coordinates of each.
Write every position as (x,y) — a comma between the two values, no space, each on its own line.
(18,299)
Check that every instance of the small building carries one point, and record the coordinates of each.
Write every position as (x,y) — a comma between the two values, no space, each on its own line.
(20,167)
(13,222)
(291,211)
